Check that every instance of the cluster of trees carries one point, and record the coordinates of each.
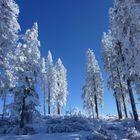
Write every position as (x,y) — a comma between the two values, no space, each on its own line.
(54,76)
(21,69)
(121,53)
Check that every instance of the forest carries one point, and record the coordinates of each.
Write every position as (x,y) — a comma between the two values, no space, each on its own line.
(23,70)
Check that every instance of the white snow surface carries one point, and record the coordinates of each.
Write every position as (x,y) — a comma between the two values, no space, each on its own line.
(72,128)
(58,136)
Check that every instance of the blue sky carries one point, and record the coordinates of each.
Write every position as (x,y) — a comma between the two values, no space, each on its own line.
(68,28)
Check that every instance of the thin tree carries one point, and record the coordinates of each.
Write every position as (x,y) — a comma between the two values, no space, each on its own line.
(49,82)
(93,87)
(44,82)
(61,91)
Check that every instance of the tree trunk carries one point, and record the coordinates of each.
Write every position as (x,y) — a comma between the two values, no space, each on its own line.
(49,103)
(96,107)
(132,100)
(4,107)
(44,103)
(23,109)
(118,107)
(123,98)
(92,109)
(124,105)
(49,107)
(120,110)
(22,116)
(58,109)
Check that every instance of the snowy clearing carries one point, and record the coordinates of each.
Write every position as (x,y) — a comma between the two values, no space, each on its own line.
(72,128)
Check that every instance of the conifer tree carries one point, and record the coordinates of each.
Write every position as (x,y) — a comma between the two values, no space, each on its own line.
(27,69)
(61,85)
(9,28)
(49,83)
(44,82)
(93,87)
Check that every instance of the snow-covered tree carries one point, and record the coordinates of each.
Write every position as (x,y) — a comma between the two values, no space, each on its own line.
(112,63)
(44,82)
(93,87)
(27,64)
(50,81)
(9,28)
(130,45)
(60,87)
(125,24)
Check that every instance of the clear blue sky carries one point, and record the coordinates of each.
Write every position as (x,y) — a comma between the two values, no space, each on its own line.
(68,28)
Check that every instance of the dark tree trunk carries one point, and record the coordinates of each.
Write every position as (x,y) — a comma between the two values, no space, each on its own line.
(124,105)
(27,111)
(132,100)
(120,110)
(24,109)
(96,106)
(49,103)
(92,109)
(118,107)
(44,103)
(123,98)
(4,107)
(58,109)
(22,116)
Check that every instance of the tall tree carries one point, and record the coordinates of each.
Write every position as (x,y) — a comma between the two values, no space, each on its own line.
(27,69)
(124,19)
(9,28)
(61,85)
(93,88)
(44,82)
(50,90)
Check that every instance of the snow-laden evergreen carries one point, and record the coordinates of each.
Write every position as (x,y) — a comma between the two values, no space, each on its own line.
(27,69)
(50,93)
(61,90)
(9,28)
(125,26)
(43,78)
(93,87)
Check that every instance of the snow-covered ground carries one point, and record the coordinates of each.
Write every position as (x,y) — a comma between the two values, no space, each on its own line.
(72,128)
(59,136)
